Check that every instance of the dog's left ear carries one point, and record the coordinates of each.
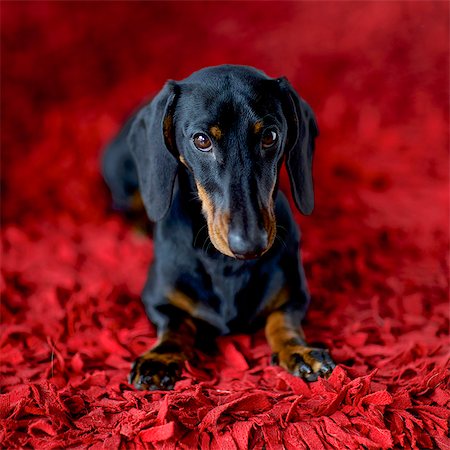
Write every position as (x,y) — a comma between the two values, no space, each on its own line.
(299,150)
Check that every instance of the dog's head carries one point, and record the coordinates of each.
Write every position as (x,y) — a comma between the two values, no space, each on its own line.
(230,126)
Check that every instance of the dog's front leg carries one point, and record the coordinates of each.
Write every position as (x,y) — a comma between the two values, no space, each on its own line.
(290,350)
(160,367)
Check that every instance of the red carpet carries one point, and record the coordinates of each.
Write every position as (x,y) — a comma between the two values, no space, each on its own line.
(375,249)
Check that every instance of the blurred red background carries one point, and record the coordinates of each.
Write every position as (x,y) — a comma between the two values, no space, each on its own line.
(375,249)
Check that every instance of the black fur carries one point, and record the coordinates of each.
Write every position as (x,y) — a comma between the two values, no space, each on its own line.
(232,294)
(240,178)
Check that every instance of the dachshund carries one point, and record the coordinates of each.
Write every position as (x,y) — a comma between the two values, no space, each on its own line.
(206,155)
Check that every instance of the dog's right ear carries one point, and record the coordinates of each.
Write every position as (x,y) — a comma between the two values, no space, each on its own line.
(152,144)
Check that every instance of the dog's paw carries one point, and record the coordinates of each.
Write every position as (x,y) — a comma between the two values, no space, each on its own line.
(156,371)
(308,363)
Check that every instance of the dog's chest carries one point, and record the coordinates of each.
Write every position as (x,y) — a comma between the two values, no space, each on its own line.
(232,289)
(227,285)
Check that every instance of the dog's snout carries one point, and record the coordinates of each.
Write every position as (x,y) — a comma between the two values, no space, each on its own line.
(245,247)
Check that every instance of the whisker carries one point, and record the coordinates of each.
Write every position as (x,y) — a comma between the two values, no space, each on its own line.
(281,241)
(198,234)
(281,231)
(207,243)
(279,238)
(195,196)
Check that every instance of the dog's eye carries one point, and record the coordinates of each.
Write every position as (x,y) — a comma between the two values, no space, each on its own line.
(202,142)
(268,138)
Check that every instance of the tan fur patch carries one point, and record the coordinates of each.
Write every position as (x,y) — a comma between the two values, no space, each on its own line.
(258,126)
(287,340)
(136,202)
(165,358)
(269,221)
(216,132)
(183,161)
(269,224)
(182,301)
(278,300)
(207,204)
(280,331)
(217,223)
(184,334)
(167,127)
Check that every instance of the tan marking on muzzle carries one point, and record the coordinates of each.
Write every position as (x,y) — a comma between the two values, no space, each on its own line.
(217,223)
(269,221)
(269,225)
(183,161)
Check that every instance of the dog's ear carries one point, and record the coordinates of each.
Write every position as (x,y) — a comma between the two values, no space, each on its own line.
(299,150)
(152,143)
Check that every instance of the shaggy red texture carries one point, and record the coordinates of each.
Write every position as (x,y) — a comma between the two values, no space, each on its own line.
(375,249)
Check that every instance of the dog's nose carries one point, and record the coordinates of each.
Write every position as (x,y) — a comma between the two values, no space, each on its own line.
(245,247)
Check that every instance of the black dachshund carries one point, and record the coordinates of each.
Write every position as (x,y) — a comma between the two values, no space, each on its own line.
(208,152)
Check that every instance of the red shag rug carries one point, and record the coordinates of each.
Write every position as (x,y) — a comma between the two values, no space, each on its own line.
(375,249)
